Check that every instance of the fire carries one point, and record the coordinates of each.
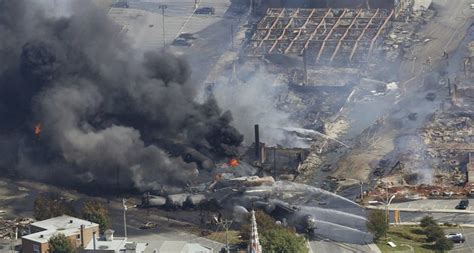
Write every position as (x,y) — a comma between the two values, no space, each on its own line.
(233,162)
(38,129)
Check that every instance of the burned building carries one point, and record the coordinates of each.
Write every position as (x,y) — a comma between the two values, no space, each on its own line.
(325,79)
(399,6)
(320,35)
(275,160)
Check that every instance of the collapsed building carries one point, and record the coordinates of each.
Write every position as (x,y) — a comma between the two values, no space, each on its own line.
(277,161)
(320,35)
(399,6)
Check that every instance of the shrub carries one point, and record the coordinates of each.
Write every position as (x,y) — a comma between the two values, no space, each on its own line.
(443,244)
(433,233)
(427,221)
(377,223)
(60,244)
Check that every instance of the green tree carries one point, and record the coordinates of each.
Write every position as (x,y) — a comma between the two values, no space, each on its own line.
(96,212)
(51,205)
(434,233)
(377,223)
(282,241)
(60,244)
(264,223)
(427,221)
(443,244)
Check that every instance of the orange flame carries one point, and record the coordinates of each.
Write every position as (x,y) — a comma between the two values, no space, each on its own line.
(233,162)
(38,129)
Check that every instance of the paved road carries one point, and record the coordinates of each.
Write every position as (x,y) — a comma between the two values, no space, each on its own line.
(430,204)
(334,247)
(167,230)
(446,31)
(452,218)
(442,210)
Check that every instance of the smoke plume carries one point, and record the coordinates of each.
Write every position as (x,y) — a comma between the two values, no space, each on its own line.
(253,99)
(103,108)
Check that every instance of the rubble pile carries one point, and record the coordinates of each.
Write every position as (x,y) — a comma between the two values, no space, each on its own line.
(422,191)
(449,137)
(403,35)
(312,109)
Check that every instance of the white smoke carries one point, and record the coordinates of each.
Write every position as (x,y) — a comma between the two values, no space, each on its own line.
(254,101)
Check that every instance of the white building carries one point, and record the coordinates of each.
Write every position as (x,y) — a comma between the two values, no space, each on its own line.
(109,244)
(183,247)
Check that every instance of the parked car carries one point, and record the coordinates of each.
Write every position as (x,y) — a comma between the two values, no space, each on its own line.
(148,225)
(456,237)
(463,204)
(205,10)
(181,42)
(187,36)
(121,5)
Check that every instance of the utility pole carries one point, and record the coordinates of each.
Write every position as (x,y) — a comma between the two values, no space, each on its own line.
(163,7)
(232,34)
(12,247)
(251,7)
(387,213)
(118,179)
(124,202)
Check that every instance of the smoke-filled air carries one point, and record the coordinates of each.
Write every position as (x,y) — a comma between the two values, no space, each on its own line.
(79,105)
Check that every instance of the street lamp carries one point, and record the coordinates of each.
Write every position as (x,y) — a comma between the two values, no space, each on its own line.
(386,210)
(124,203)
(163,7)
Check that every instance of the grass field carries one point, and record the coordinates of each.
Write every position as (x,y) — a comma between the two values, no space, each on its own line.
(407,239)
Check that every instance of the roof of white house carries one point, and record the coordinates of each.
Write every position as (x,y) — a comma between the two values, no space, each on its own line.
(117,244)
(183,247)
(64,224)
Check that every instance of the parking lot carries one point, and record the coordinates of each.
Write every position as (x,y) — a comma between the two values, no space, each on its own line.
(468,245)
(144,23)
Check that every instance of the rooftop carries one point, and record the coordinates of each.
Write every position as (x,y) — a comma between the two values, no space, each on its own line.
(117,244)
(64,224)
(183,247)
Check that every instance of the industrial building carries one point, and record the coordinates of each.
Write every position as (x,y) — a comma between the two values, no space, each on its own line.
(398,6)
(320,35)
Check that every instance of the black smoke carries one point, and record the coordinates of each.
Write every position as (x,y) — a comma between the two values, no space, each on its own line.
(103,107)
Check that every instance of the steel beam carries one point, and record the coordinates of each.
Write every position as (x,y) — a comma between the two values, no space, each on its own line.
(323,20)
(378,32)
(284,30)
(361,35)
(299,32)
(271,28)
(344,36)
(329,34)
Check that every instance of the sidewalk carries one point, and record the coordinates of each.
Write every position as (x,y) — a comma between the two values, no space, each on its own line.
(421,210)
